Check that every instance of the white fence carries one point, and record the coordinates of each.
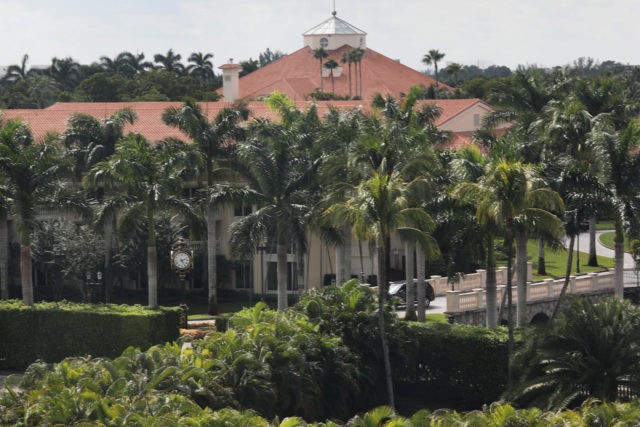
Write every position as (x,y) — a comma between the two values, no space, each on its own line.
(468,282)
(466,300)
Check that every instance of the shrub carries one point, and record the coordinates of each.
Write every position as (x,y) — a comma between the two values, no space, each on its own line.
(52,331)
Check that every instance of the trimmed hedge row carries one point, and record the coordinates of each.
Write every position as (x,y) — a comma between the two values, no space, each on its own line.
(459,360)
(52,331)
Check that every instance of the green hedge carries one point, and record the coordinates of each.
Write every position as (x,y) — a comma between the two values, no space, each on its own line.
(52,331)
(454,359)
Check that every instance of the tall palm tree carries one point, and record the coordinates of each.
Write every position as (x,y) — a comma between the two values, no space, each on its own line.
(347,59)
(454,70)
(88,141)
(201,67)
(319,54)
(137,63)
(357,54)
(32,173)
(621,167)
(17,72)
(330,65)
(214,140)
(279,179)
(151,177)
(433,57)
(66,72)
(170,62)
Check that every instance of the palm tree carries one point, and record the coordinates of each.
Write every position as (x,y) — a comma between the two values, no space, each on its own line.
(214,139)
(137,63)
(454,70)
(17,72)
(201,67)
(590,352)
(279,179)
(151,177)
(330,65)
(32,172)
(66,72)
(433,57)
(357,54)
(169,62)
(619,174)
(346,59)
(89,141)
(319,54)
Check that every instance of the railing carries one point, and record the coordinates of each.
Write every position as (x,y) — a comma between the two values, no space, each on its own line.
(468,282)
(466,300)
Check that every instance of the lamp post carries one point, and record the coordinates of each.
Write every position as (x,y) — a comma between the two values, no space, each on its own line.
(182,262)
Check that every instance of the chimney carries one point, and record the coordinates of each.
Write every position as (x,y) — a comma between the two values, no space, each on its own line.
(231,80)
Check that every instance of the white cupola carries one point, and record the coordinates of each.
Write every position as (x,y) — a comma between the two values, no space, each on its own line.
(334,33)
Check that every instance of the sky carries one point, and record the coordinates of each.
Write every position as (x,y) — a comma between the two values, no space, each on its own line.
(545,33)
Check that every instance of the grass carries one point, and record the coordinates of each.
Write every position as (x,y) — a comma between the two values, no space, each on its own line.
(556,262)
(605,224)
(608,240)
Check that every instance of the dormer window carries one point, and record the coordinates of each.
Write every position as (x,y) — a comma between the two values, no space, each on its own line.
(324,42)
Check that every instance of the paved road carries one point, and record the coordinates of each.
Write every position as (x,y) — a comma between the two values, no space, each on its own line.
(630,277)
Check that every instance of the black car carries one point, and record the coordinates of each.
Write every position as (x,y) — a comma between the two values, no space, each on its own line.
(399,290)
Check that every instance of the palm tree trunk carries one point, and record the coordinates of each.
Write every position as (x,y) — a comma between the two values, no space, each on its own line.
(281,267)
(521,274)
(4,256)
(593,257)
(360,79)
(109,227)
(567,276)
(619,260)
(339,266)
(409,248)
(510,339)
(152,275)
(321,79)
(346,261)
(382,294)
(26,273)
(420,276)
(212,270)
(542,268)
(492,291)
(349,79)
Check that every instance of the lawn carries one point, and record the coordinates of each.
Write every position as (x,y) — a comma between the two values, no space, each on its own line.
(607,240)
(556,262)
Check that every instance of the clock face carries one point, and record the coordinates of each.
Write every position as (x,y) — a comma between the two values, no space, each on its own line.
(181,260)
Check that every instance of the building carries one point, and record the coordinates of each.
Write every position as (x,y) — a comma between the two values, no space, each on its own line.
(297,75)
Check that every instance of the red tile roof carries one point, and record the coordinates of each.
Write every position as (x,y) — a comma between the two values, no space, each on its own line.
(298,74)
(150,124)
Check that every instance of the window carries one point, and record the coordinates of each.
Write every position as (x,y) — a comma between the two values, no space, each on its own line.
(272,276)
(324,42)
(243,275)
(242,210)
(476,119)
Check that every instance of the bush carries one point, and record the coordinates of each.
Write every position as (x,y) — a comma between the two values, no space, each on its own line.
(468,362)
(53,331)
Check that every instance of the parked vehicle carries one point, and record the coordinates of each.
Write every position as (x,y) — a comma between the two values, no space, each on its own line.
(398,290)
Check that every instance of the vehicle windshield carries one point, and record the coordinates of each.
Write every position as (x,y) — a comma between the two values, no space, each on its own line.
(395,287)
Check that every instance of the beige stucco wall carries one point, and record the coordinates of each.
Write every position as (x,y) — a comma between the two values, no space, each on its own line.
(465,121)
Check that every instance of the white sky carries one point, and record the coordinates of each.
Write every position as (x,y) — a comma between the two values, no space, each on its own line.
(478,32)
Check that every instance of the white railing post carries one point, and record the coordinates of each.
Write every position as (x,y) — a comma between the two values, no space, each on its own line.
(549,285)
(453,301)
(594,281)
(529,271)
(572,284)
(483,278)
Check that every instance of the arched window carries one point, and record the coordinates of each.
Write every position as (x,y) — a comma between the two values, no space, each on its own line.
(324,42)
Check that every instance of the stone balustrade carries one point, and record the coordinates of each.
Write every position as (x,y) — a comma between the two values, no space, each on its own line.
(474,299)
(468,282)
